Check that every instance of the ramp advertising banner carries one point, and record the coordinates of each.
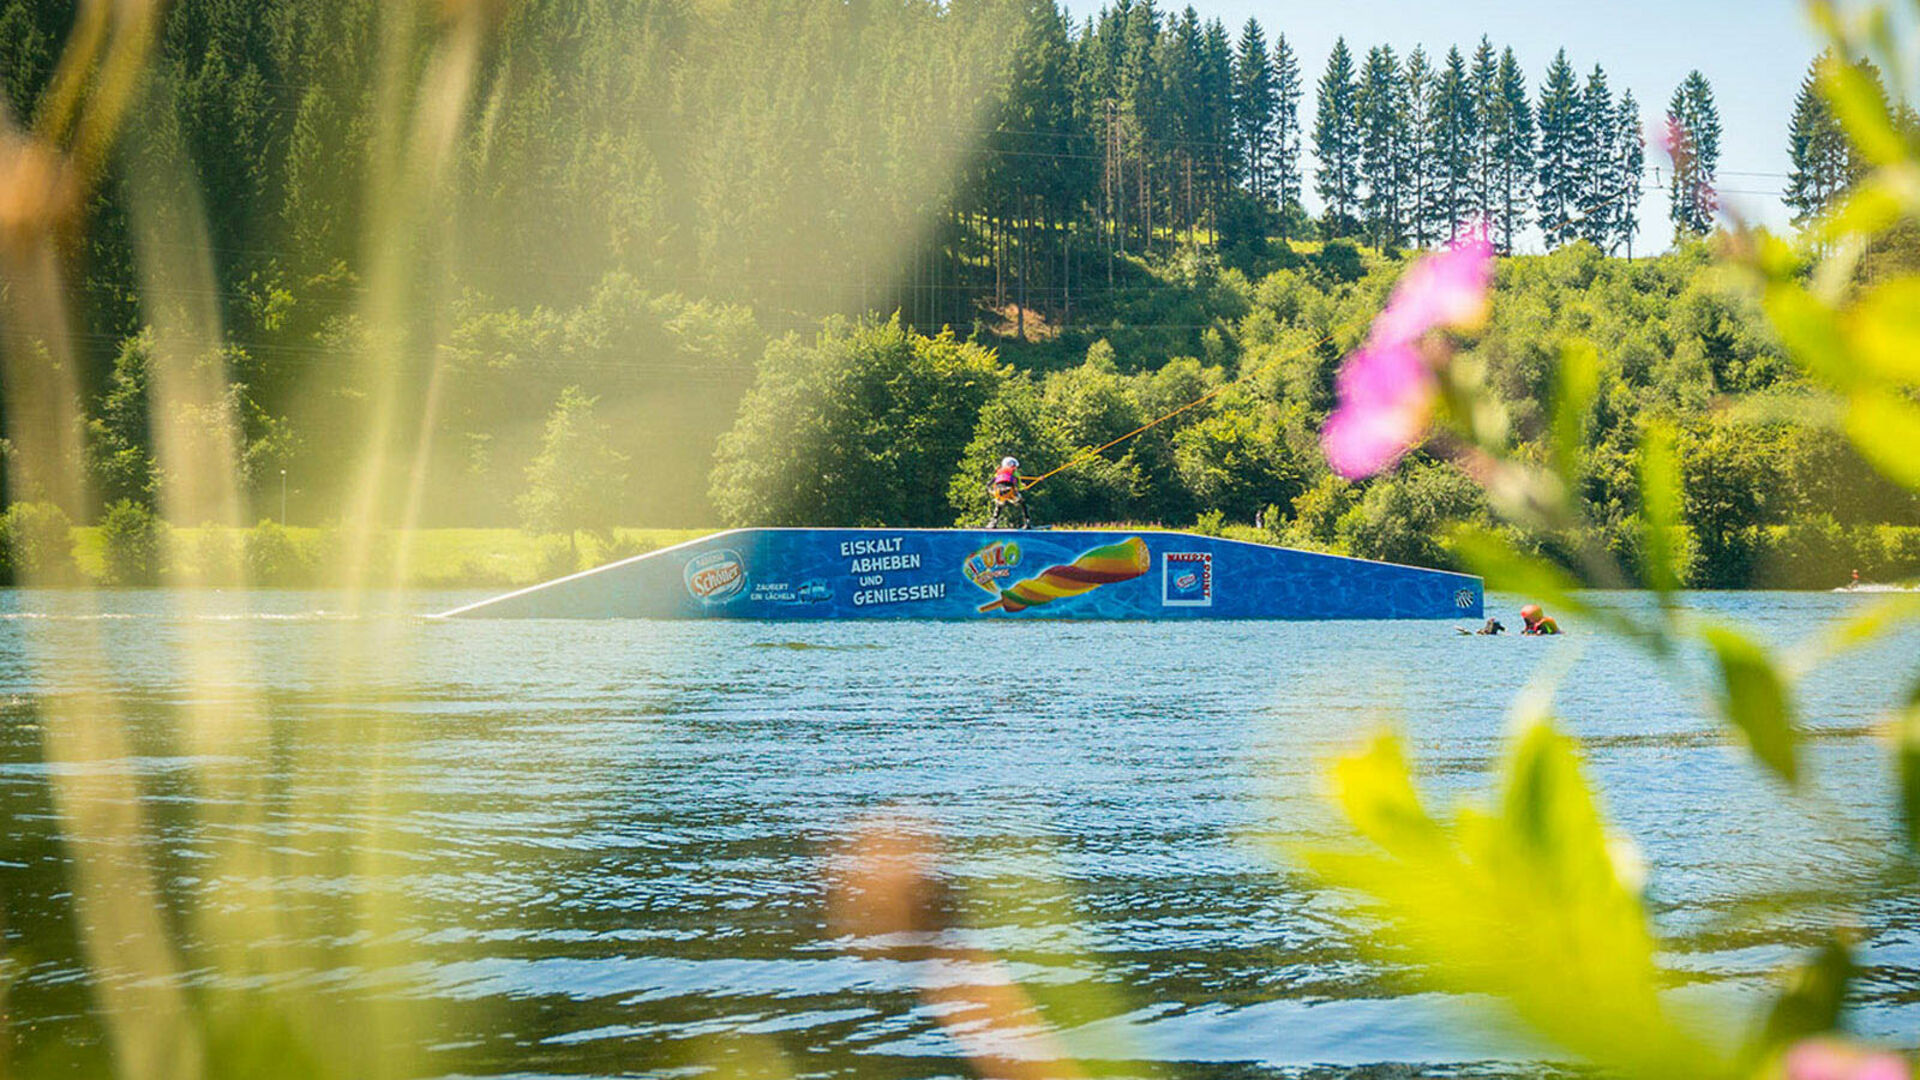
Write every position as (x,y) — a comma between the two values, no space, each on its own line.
(1005,575)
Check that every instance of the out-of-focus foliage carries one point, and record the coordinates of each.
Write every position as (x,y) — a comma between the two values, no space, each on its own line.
(1534,903)
(1531,900)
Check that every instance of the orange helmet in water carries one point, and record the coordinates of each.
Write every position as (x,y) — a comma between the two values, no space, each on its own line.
(1530,612)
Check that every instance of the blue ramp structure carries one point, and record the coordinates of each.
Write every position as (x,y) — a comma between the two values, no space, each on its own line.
(981,574)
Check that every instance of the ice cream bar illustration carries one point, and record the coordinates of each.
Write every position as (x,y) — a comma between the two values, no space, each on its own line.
(1123,561)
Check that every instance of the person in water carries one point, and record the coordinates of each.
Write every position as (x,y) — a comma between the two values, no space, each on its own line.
(1539,623)
(1004,494)
(1494,628)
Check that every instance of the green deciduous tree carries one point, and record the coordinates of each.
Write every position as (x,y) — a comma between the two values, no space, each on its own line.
(36,545)
(1404,518)
(572,484)
(130,544)
(862,426)
(1236,465)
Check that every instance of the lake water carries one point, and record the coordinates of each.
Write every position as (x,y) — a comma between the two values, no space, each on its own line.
(599,849)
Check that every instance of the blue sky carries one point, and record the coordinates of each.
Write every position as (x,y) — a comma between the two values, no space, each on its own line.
(1754,52)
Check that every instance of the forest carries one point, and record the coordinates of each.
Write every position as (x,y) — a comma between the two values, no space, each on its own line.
(781,262)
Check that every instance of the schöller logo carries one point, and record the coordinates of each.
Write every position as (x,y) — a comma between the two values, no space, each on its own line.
(1186,579)
(714,577)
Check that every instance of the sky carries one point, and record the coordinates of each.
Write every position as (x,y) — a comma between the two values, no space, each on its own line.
(1755,52)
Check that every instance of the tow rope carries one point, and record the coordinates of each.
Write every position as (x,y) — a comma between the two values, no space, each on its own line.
(1156,422)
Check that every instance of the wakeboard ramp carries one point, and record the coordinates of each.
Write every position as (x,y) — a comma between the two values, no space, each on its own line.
(988,574)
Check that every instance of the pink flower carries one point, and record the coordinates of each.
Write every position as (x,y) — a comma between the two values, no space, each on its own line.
(1387,388)
(1677,143)
(1673,140)
(1386,399)
(1447,290)
(1831,1059)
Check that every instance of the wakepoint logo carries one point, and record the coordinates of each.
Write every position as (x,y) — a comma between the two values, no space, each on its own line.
(1186,579)
(715,577)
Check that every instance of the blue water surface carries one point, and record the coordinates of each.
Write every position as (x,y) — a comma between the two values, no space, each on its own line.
(601,848)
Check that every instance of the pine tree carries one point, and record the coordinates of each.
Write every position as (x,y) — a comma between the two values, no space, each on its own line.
(1596,139)
(1336,141)
(27,51)
(1382,152)
(1557,118)
(1453,126)
(1177,58)
(1630,167)
(1417,147)
(1144,114)
(1034,184)
(1254,105)
(1824,163)
(1287,175)
(1693,133)
(1219,133)
(1511,122)
(1485,84)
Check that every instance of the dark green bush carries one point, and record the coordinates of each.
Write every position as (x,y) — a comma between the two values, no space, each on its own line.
(214,557)
(36,545)
(274,557)
(559,556)
(130,538)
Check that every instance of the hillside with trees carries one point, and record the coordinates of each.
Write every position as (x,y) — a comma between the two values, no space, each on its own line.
(781,262)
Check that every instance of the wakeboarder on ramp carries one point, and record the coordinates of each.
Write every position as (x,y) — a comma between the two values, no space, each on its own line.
(988,574)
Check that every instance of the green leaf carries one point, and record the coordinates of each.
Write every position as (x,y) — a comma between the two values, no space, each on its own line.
(1754,700)
(1863,628)
(1375,789)
(1547,810)
(1861,106)
(1810,1005)
(1660,508)
(1870,209)
(1576,380)
(1510,570)
(1885,428)
(1533,901)
(1810,332)
(1885,329)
